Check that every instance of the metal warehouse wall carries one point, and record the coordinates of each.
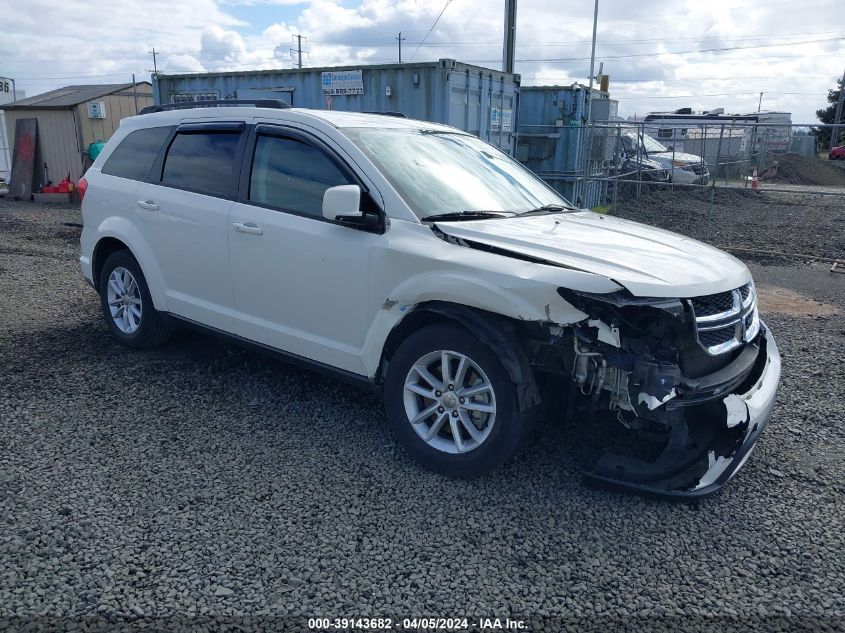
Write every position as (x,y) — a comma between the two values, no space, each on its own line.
(118,106)
(478,100)
(57,140)
(64,134)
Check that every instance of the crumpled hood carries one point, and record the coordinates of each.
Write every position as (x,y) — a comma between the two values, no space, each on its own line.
(680,156)
(648,261)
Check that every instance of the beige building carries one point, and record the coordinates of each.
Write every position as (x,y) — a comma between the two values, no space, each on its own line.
(71,118)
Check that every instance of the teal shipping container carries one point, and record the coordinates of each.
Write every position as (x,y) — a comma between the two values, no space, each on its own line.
(482,101)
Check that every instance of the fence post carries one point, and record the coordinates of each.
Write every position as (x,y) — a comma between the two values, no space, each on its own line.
(704,148)
(616,167)
(750,144)
(713,185)
(640,136)
(586,165)
(672,165)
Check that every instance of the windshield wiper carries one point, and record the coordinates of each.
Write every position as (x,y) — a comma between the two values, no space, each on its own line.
(549,208)
(468,215)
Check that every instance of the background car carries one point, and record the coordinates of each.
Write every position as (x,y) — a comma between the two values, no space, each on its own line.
(837,153)
(682,168)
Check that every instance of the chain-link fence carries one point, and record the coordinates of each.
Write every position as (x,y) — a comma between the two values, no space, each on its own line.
(636,157)
(699,177)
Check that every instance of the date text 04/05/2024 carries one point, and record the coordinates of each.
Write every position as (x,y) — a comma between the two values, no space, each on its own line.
(428,623)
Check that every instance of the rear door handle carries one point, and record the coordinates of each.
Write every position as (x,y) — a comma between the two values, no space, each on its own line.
(250,228)
(149,205)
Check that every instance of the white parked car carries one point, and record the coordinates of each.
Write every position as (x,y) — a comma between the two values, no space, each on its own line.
(422,261)
(683,168)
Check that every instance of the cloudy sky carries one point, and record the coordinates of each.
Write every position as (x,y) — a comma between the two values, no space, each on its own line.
(659,54)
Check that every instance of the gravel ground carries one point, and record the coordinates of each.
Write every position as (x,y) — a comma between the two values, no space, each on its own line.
(809,225)
(200,485)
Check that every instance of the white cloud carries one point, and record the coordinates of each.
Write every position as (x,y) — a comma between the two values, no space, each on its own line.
(637,41)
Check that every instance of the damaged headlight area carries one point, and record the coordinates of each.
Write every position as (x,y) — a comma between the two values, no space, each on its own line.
(680,422)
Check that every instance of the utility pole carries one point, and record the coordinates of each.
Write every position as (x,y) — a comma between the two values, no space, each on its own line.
(760,102)
(153,53)
(399,39)
(592,64)
(135,93)
(510,36)
(837,119)
(299,50)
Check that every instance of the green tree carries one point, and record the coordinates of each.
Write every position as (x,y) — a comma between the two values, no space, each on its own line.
(826,115)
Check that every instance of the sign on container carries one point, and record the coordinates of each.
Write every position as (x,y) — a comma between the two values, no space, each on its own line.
(343,82)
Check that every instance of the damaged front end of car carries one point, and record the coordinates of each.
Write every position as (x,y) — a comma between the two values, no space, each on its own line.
(691,384)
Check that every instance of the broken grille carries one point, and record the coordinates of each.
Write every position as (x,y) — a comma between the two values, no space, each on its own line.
(726,320)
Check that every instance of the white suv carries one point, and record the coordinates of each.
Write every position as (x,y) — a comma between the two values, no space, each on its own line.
(422,261)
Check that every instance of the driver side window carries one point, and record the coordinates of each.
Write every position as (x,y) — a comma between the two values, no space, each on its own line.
(292,176)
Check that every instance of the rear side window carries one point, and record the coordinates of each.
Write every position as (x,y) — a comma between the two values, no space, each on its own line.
(202,162)
(136,153)
(292,175)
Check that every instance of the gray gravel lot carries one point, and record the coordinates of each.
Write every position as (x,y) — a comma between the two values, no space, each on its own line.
(811,225)
(197,483)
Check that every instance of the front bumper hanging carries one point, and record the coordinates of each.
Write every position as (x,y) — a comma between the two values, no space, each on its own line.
(712,450)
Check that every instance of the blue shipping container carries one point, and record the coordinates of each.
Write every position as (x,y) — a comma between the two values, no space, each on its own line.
(478,100)
(554,139)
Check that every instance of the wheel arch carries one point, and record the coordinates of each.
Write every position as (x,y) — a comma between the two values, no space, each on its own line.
(105,247)
(494,330)
(116,236)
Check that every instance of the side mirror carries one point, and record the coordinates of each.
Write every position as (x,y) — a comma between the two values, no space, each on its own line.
(342,203)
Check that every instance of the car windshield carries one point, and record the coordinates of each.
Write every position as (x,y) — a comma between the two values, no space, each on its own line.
(451,172)
(649,144)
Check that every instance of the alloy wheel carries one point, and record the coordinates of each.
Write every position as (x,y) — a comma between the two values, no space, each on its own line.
(124,299)
(450,401)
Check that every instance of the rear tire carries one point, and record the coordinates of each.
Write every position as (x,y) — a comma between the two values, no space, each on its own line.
(127,306)
(475,400)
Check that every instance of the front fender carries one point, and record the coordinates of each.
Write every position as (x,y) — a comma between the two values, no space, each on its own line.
(521,299)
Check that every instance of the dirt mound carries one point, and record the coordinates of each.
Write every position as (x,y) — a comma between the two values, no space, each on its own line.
(808,170)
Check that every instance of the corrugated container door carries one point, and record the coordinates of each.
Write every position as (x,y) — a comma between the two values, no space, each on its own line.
(458,100)
(474,103)
(498,110)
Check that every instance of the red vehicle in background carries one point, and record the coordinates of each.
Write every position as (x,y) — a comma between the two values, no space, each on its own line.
(837,153)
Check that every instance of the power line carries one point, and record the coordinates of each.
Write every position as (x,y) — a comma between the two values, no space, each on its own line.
(721,49)
(674,79)
(614,41)
(442,11)
(714,94)
(422,43)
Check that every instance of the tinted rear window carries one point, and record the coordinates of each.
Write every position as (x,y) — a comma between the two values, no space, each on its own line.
(136,153)
(202,162)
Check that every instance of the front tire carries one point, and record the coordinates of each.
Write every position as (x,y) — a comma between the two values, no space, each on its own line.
(452,404)
(127,306)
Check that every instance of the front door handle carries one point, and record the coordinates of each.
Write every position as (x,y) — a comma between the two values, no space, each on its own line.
(250,228)
(149,205)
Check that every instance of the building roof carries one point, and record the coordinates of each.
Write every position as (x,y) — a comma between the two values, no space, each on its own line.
(70,96)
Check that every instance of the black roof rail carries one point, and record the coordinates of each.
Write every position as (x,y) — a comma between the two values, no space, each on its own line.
(401,115)
(276,104)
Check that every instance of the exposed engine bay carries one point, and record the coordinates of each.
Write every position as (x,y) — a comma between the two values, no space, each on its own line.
(672,372)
